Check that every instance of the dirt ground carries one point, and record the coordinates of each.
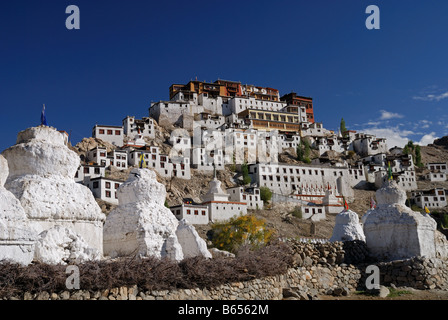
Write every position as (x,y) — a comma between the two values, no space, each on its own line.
(402,294)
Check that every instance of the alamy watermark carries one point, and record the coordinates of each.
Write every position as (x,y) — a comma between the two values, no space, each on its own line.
(373,20)
(373,280)
(72,281)
(73,20)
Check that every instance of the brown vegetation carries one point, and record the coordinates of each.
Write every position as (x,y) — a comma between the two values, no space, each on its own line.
(148,273)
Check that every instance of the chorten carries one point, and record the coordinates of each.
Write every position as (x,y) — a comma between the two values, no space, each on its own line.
(394,231)
(41,177)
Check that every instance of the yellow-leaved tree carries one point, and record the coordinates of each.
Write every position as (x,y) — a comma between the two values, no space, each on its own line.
(241,230)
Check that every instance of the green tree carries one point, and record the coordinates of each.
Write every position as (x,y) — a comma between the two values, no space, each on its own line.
(299,152)
(304,150)
(245,173)
(343,128)
(410,145)
(406,150)
(418,156)
(265,194)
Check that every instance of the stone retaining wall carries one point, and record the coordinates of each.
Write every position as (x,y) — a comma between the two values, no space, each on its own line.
(320,269)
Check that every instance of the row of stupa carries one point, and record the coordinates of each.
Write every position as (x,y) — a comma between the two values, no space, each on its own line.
(46,216)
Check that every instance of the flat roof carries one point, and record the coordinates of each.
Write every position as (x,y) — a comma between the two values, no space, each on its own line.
(104,178)
(107,126)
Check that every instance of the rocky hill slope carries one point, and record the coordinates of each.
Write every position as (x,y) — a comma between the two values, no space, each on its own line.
(282,218)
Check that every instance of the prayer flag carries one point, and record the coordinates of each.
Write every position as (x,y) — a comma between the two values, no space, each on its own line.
(142,161)
(43,117)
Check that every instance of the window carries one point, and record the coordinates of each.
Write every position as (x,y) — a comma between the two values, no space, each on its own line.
(109,132)
(107,185)
(86,170)
(188,211)
(196,212)
(117,132)
(97,170)
(101,131)
(95,185)
(203,212)
(117,185)
(107,194)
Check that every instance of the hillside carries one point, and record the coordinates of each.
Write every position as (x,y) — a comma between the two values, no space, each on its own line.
(280,217)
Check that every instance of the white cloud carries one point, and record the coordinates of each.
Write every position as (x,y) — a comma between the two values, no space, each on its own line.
(386,115)
(432,97)
(393,135)
(424,124)
(397,137)
(427,139)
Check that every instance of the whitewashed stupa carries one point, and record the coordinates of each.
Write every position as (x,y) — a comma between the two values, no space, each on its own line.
(142,226)
(41,177)
(16,237)
(394,231)
(347,227)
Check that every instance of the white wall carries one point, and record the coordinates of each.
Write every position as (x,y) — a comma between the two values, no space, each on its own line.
(220,211)
(193,214)
(111,134)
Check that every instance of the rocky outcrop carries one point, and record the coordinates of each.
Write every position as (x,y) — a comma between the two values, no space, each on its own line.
(141,225)
(16,237)
(394,231)
(41,171)
(347,227)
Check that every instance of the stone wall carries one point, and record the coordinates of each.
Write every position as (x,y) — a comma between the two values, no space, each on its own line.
(321,268)
(305,282)
(417,272)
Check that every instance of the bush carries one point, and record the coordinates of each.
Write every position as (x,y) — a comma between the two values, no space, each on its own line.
(444,220)
(243,230)
(148,273)
(297,212)
(265,194)
(304,150)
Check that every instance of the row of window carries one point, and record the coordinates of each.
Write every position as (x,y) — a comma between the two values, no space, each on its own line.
(109,132)
(261,103)
(426,199)
(314,210)
(196,212)
(437,167)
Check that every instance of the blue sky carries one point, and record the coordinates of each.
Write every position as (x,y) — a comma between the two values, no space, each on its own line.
(391,82)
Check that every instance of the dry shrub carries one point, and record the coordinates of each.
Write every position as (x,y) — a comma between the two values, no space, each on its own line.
(249,264)
(148,273)
(34,278)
